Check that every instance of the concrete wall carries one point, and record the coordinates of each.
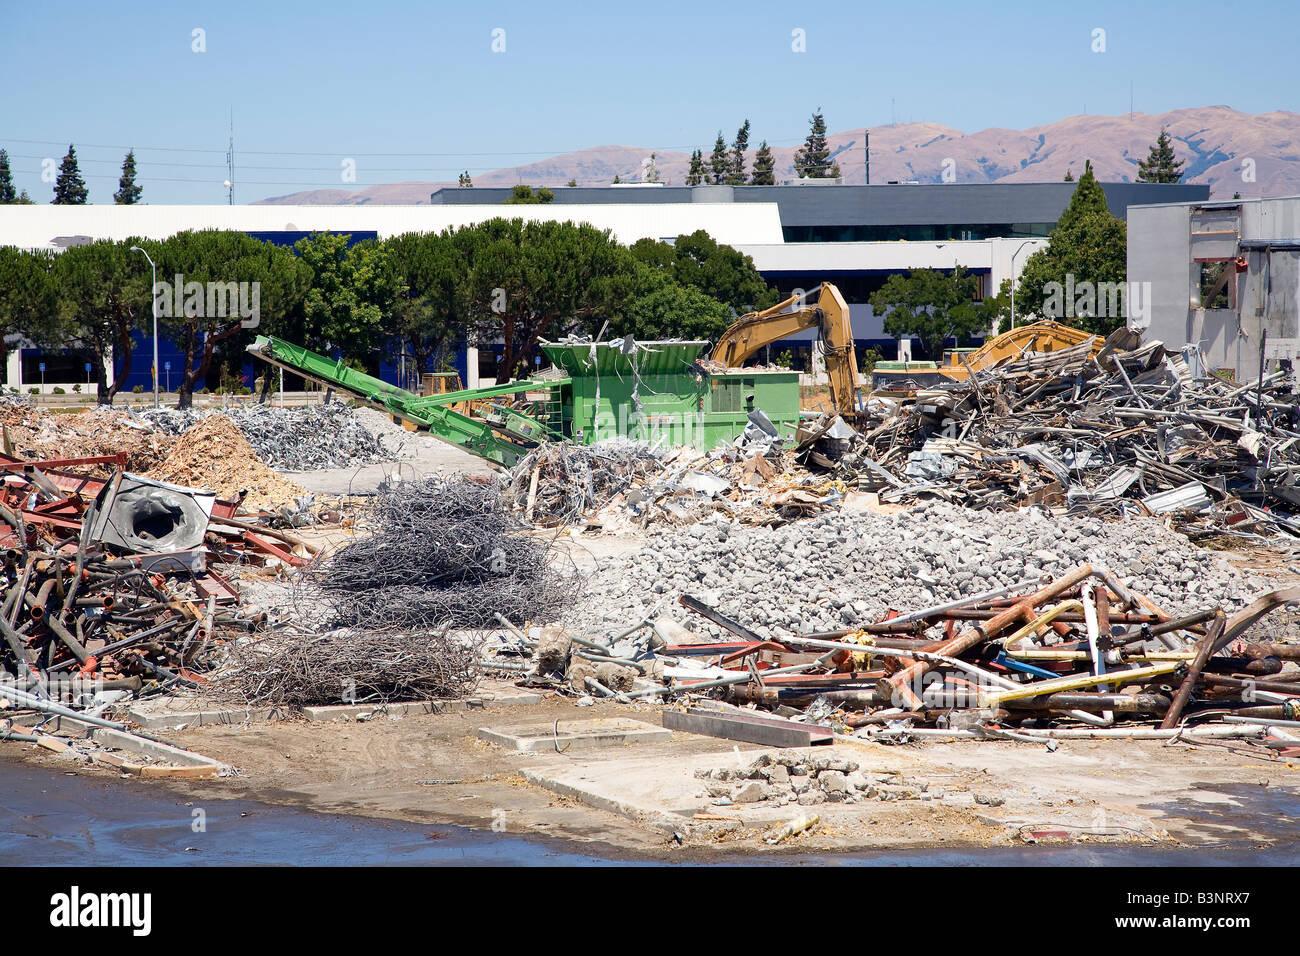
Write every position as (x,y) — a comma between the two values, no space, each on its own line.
(1266,295)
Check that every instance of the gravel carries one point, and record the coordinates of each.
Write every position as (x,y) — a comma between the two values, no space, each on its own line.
(842,570)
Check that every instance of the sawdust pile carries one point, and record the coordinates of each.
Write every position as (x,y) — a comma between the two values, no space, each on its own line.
(214,454)
(38,434)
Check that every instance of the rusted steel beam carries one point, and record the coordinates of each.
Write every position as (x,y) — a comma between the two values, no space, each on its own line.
(1204,648)
(718,618)
(900,684)
(261,544)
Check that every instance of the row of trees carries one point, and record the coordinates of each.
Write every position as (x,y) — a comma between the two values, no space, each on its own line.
(69,186)
(415,294)
(1088,244)
(726,166)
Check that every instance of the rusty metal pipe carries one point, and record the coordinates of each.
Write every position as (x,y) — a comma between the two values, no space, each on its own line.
(900,683)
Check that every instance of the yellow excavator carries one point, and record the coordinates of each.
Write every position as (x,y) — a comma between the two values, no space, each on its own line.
(824,309)
(957,364)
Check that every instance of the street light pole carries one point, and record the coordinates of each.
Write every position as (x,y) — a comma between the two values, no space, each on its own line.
(153,305)
(1014,279)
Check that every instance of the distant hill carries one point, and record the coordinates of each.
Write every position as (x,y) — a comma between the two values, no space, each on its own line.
(1216,142)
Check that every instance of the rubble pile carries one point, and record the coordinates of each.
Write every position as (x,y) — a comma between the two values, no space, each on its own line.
(301,438)
(559,482)
(1124,432)
(835,570)
(805,778)
(37,434)
(214,454)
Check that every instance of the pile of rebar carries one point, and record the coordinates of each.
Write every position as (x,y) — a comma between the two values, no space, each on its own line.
(439,552)
(354,667)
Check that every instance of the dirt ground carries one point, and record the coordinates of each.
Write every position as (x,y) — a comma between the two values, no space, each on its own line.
(433,769)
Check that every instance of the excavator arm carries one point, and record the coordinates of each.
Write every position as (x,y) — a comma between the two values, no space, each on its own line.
(829,313)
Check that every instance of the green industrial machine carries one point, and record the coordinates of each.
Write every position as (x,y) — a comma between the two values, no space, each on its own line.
(657,391)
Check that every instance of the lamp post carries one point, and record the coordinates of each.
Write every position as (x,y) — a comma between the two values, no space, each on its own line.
(1014,279)
(153,306)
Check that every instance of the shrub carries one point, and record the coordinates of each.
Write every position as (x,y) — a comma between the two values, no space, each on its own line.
(58,390)
(138,390)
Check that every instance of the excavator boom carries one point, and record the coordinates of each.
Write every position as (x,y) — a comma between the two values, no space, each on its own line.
(829,313)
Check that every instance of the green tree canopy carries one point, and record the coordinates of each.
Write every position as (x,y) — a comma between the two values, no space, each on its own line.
(101,295)
(659,308)
(431,311)
(69,187)
(7,192)
(719,162)
(738,149)
(1088,245)
(812,160)
(524,195)
(1161,165)
(934,306)
(764,167)
(717,270)
(695,172)
(128,193)
(28,303)
(351,292)
(210,327)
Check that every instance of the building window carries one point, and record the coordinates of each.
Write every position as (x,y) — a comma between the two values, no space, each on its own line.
(1217,290)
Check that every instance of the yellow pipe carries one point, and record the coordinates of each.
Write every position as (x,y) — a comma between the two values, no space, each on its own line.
(1058,684)
(1041,622)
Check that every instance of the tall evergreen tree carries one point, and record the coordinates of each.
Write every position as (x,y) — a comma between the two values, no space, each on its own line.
(812,160)
(1069,176)
(738,150)
(695,174)
(719,162)
(128,193)
(764,167)
(1161,166)
(7,192)
(69,187)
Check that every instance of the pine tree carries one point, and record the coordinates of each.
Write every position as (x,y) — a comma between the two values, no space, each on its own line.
(719,162)
(69,187)
(695,174)
(764,167)
(463,180)
(7,193)
(812,161)
(1088,199)
(616,179)
(24,199)
(738,150)
(650,171)
(1069,176)
(1161,166)
(128,193)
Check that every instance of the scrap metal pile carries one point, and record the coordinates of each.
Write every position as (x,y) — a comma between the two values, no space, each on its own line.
(1127,430)
(1078,655)
(618,484)
(110,583)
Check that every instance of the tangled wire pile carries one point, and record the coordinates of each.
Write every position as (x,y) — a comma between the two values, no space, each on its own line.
(442,552)
(347,666)
(575,479)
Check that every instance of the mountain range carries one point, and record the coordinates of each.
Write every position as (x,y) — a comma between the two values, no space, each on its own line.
(1234,152)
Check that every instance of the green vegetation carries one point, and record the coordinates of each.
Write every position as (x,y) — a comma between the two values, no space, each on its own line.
(524,195)
(128,193)
(69,187)
(812,160)
(934,306)
(1088,244)
(1161,166)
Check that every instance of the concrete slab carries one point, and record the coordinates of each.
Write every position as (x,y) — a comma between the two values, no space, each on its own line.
(481,702)
(568,735)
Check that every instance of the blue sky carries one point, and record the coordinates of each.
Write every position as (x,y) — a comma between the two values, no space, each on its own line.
(414,91)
